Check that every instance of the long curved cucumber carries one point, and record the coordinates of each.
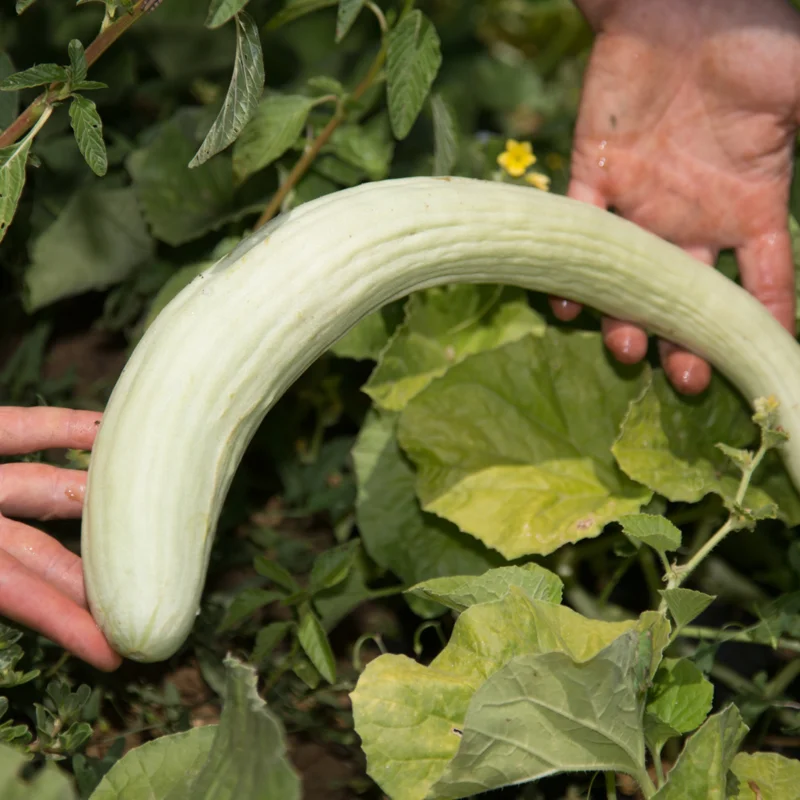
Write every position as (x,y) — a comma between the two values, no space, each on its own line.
(223,352)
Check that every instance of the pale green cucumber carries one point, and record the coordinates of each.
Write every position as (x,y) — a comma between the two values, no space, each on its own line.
(231,343)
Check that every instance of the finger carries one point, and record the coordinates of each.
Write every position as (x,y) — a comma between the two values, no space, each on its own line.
(41,491)
(767,269)
(26,430)
(44,556)
(627,342)
(567,310)
(31,601)
(688,373)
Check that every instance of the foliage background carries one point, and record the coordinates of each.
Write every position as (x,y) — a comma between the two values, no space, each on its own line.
(90,260)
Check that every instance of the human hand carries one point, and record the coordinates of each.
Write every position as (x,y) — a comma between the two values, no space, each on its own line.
(687,127)
(41,582)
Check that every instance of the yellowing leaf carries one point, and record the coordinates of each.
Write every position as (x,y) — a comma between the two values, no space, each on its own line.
(775,776)
(513,445)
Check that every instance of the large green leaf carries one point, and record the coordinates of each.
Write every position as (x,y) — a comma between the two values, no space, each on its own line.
(244,91)
(242,758)
(412,61)
(396,533)
(669,443)
(96,241)
(48,783)
(513,445)
(544,713)
(158,768)
(408,715)
(180,204)
(276,124)
(774,776)
(443,326)
(462,591)
(702,767)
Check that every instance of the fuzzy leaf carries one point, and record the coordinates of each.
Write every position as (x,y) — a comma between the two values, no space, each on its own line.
(77,61)
(96,241)
(702,767)
(445,136)
(396,533)
(220,11)
(244,92)
(277,122)
(40,75)
(653,530)
(463,591)
(88,128)
(513,445)
(346,15)
(413,59)
(13,164)
(686,604)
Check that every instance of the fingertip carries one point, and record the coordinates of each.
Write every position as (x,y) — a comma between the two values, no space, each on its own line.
(565,310)
(627,342)
(688,373)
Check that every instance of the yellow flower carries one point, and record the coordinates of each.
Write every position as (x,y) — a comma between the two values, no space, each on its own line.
(516,158)
(539,180)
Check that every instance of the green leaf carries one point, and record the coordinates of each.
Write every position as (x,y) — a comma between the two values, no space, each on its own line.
(413,59)
(244,92)
(179,203)
(332,566)
(220,11)
(77,61)
(13,163)
(445,136)
(368,148)
(678,701)
(773,775)
(276,573)
(346,15)
(653,530)
(443,326)
(513,445)
(685,604)
(702,767)
(590,714)
(21,5)
(669,443)
(461,592)
(47,783)
(366,340)
(295,9)
(407,715)
(88,129)
(248,759)
(277,122)
(96,241)
(267,639)
(242,757)
(395,531)
(40,75)
(245,604)
(314,642)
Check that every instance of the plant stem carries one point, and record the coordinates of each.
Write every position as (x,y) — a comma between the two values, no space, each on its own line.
(611,785)
(716,635)
(312,151)
(680,574)
(102,42)
(783,680)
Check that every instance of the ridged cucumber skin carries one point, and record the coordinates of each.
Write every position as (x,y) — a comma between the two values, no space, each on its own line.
(231,343)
